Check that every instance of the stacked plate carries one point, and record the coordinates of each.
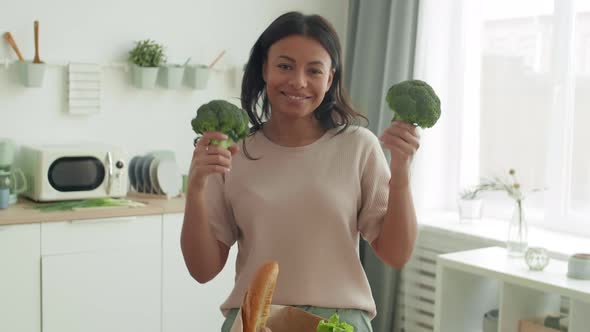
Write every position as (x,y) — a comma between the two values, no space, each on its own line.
(155,173)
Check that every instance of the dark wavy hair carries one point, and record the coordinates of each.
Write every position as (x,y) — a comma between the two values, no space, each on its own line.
(335,110)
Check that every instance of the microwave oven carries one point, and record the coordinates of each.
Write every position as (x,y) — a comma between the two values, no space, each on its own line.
(69,172)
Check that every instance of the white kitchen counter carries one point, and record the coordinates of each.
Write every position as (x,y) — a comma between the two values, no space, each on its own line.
(23,213)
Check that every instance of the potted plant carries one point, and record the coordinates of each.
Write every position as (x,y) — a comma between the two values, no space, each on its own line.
(517,228)
(146,57)
(469,205)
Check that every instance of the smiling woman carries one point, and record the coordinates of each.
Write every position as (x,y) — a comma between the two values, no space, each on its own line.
(298,58)
(309,183)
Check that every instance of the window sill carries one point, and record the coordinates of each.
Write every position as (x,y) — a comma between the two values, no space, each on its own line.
(560,245)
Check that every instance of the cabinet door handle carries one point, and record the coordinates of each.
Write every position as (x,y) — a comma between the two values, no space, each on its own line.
(103,220)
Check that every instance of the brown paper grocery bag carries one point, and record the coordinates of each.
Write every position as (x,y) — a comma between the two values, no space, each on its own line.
(285,319)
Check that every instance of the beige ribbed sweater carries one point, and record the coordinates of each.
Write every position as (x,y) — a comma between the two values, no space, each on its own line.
(304,207)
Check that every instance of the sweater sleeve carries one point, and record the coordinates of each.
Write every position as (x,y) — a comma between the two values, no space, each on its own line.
(221,219)
(375,175)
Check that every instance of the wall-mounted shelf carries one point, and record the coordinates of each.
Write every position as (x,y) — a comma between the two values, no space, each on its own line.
(193,77)
(5,63)
(470,283)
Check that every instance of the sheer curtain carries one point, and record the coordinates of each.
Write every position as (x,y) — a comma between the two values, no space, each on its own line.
(512,78)
(380,52)
(447,38)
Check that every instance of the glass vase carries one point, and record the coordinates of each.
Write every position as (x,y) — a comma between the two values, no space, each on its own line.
(517,232)
(469,210)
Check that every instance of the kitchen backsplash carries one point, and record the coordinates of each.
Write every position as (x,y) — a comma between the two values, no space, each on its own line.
(103,33)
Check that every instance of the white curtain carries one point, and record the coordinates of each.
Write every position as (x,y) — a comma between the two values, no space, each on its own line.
(447,35)
(380,52)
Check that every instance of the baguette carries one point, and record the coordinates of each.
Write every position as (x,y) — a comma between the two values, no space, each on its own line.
(256,305)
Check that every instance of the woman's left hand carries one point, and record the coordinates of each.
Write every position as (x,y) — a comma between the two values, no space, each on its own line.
(402,140)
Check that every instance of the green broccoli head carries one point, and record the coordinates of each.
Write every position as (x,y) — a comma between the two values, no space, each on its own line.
(206,120)
(415,102)
(222,116)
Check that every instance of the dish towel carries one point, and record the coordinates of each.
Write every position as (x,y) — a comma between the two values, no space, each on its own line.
(84,88)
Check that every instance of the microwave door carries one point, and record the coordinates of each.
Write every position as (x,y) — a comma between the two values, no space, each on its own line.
(71,174)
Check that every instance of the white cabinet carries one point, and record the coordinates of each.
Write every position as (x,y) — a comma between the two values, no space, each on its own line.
(19,278)
(114,274)
(418,278)
(470,283)
(188,305)
(102,275)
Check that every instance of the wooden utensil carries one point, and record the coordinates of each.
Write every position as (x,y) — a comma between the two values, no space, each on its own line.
(36,59)
(12,43)
(216,59)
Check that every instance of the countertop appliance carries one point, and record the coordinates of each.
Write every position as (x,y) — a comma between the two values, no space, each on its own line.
(75,171)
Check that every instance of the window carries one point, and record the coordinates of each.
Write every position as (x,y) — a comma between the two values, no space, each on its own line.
(535,102)
(516,92)
(514,80)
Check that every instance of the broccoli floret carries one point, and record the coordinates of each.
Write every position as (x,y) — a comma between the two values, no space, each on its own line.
(206,120)
(415,102)
(222,116)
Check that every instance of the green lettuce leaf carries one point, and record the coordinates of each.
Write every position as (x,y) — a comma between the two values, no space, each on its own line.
(334,325)
(86,203)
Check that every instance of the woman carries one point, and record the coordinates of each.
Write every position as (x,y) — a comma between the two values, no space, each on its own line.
(305,184)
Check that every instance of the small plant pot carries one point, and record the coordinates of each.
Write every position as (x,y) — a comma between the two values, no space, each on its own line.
(144,77)
(469,210)
(32,74)
(237,74)
(171,76)
(197,76)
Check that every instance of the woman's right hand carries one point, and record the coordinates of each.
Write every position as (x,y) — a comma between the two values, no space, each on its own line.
(208,159)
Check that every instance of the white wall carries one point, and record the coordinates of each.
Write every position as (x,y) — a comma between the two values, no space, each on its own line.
(103,32)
